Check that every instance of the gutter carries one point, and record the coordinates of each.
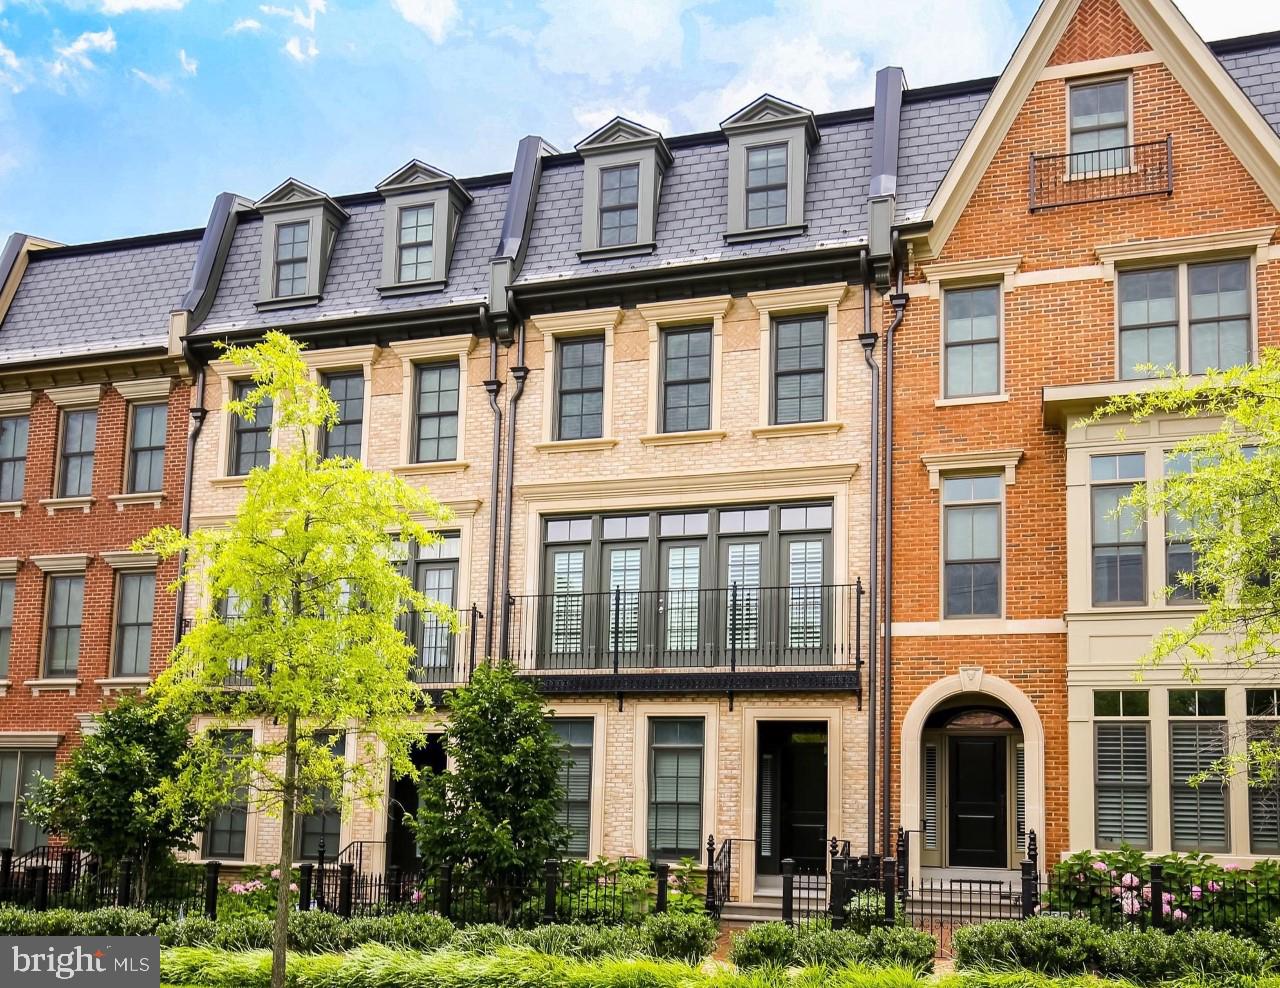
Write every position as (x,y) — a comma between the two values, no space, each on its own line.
(492,386)
(198,415)
(520,372)
(868,339)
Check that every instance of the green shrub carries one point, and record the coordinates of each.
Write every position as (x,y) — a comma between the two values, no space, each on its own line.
(311,932)
(882,947)
(194,931)
(902,946)
(762,945)
(679,936)
(109,922)
(410,931)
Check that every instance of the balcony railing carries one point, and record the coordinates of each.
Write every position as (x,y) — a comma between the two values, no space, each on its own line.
(812,626)
(1099,176)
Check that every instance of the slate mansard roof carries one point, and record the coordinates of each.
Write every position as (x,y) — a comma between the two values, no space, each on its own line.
(117,296)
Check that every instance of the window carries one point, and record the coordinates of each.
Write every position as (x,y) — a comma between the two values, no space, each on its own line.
(250,441)
(19,773)
(972,341)
(232,609)
(619,205)
(799,369)
(1212,299)
(415,243)
(1119,532)
(291,258)
(8,589)
(971,546)
(347,391)
(146,447)
(324,822)
(580,388)
(1122,768)
(686,380)
(135,599)
(75,469)
(224,834)
(1197,741)
(675,786)
(435,575)
(1099,126)
(437,425)
(13,456)
(62,636)
(1179,557)
(766,186)
(1263,707)
(576,734)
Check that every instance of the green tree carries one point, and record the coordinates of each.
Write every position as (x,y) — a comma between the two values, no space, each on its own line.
(315,646)
(494,814)
(106,799)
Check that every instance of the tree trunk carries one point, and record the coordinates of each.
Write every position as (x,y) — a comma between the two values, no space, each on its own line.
(280,938)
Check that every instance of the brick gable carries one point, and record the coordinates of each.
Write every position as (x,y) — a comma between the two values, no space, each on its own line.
(1100,29)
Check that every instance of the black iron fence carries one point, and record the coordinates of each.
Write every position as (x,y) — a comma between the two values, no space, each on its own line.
(63,878)
(1099,176)
(736,627)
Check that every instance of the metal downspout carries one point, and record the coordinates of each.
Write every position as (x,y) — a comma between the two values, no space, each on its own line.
(519,372)
(898,300)
(198,413)
(868,339)
(493,386)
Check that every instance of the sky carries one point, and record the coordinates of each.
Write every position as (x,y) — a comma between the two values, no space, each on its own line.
(125,117)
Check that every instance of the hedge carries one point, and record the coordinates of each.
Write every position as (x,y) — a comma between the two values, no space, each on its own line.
(109,922)
(780,945)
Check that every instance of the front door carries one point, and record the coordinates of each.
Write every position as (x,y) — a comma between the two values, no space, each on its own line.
(978,811)
(402,848)
(791,797)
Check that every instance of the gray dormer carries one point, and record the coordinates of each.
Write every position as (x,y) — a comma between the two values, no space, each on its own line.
(622,168)
(769,144)
(299,229)
(424,207)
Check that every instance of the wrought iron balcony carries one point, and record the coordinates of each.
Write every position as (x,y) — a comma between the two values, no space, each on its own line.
(729,637)
(1100,176)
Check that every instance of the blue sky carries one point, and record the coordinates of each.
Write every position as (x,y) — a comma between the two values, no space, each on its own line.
(121,117)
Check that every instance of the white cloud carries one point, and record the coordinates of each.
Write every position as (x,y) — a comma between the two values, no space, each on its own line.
(157,83)
(12,73)
(1215,19)
(110,7)
(601,39)
(189,64)
(299,51)
(434,17)
(75,56)
(304,19)
(246,24)
(596,115)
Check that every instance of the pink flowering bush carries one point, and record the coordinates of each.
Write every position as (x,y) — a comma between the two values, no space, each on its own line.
(252,893)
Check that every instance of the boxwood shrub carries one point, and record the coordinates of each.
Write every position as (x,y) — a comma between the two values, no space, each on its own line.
(779,945)
(110,922)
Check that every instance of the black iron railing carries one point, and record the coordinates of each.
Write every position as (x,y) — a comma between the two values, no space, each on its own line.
(1099,176)
(726,628)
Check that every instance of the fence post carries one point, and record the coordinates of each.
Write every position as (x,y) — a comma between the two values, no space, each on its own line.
(1033,850)
(788,890)
(889,876)
(446,891)
(211,889)
(66,879)
(1157,896)
(393,884)
(475,625)
(346,882)
(41,874)
(664,875)
(320,873)
(1030,889)
(551,873)
(903,852)
(124,883)
(711,874)
(837,904)
(733,627)
(304,886)
(95,884)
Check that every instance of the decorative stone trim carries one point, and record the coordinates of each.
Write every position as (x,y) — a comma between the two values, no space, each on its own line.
(981,626)
(88,724)
(972,400)
(9,565)
(64,563)
(76,396)
(55,504)
(796,301)
(123,684)
(766,480)
(122,501)
(12,508)
(559,325)
(429,469)
(671,315)
(575,445)
(128,559)
(15,401)
(940,463)
(68,686)
(982,269)
(150,387)
(4,687)
(1181,247)
(223,482)
(29,739)
(411,354)
(683,438)
(796,429)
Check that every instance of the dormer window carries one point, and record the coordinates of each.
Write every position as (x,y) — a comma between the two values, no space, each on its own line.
(423,211)
(299,231)
(622,168)
(769,145)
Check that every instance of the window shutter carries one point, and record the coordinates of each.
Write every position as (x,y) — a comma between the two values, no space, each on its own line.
(931,796)
(1199,813)
(1121,759)
(1020,796)
(768,803)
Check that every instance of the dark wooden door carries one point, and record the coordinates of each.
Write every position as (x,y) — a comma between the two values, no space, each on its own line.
(791,797)
(977,817)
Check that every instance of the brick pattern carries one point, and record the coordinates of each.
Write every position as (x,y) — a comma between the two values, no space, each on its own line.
(1099,29)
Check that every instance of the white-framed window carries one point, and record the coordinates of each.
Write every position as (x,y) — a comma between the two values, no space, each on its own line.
(1122,768)
(1198,743)
(1099,125)
(64,613)
(1119,533)
(291,256)
(972,508)
(971,341)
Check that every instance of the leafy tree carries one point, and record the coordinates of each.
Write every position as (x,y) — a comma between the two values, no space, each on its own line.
(494,814)
(106,799)
(314,645)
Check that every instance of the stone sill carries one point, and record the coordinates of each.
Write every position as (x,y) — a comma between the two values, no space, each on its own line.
(970,400)
(55,504)
(122,501)
(39,686)
(225,482)
(683,438)
(797,429)
(14,508)
(575,445)
(428,469)
(121,684)
(4,687)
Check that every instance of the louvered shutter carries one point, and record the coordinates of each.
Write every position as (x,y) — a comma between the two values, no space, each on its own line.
(1123,784)
(1020,796)
(931,796)
(1264,800)
(1200,812)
